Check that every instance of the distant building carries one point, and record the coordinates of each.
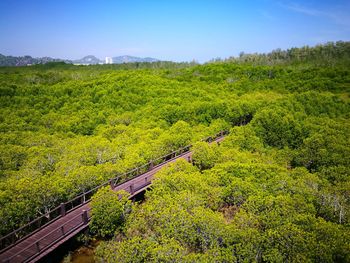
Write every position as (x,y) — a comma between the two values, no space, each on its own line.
(109,60)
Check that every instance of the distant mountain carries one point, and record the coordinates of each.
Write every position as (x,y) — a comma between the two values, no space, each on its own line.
(131,59)
(27,60)
(88,60)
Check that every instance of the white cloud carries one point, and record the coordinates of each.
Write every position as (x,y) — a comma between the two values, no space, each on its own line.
(267,15)
(336,15)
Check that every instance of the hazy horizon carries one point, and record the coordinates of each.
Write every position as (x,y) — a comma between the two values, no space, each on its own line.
(176,31)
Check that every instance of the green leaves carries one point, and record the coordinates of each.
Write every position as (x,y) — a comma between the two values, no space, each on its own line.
(109,210)
(141,250)
(276,189)
(278,128)
(244,138)
(205,155)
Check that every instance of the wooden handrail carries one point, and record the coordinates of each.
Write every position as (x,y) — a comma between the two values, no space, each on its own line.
(15,238)
(63,234)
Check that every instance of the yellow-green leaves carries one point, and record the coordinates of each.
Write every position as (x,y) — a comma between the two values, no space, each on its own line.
(109,210)
(205,155)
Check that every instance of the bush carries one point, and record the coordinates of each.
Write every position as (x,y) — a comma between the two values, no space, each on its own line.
(109,210)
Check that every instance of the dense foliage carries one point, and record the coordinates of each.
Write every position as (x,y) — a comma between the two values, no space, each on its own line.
(277,189)
(326,54)
(108,211)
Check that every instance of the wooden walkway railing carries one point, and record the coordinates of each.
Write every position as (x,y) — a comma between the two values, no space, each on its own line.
(53,236)
(68,227)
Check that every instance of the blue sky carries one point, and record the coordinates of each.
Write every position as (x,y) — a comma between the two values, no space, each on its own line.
(179,30)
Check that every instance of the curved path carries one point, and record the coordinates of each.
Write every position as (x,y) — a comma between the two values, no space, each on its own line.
(45,240)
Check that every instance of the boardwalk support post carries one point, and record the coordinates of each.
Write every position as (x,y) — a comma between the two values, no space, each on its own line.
(85,217)
(135,186)
(37,246)
(63,209)
(82,199)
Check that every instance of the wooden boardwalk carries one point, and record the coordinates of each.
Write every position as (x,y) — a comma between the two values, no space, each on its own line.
(56,232)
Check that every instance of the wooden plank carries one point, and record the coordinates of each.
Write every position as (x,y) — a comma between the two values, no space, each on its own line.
(53,239)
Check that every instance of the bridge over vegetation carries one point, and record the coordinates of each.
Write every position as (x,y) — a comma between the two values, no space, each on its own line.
(44,234)
(277,190)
